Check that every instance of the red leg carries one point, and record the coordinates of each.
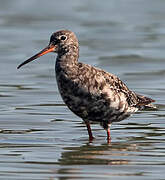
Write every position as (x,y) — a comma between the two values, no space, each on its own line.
(89,131)
(108,136)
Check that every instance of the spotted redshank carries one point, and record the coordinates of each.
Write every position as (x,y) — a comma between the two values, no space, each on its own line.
(91,93)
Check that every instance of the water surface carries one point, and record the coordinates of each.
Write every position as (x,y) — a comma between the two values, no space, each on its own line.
(39,137)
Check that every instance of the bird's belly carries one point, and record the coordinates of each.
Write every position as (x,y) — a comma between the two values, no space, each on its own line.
(92,106)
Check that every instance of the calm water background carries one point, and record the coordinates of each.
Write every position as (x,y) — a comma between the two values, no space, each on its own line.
(39,137)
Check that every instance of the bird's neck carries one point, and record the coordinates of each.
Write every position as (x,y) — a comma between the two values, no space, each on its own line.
(67,60)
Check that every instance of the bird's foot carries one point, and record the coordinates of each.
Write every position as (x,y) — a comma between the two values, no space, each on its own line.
(91,138)
(108,140)
(108,136)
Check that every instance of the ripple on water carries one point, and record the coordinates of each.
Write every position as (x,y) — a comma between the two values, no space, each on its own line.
(39,137)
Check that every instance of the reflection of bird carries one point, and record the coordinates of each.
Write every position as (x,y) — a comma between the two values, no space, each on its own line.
(91,93)
(101,154)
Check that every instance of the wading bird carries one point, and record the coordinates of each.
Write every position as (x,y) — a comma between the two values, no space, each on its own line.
(91,93)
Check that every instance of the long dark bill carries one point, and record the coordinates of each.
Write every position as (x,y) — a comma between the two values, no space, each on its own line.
(49,48)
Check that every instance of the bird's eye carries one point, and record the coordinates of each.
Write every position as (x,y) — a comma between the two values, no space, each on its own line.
(63,38)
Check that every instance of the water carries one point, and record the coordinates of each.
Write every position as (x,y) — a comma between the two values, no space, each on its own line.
(39,137)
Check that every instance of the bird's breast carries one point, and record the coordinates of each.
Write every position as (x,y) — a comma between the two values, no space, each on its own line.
(86,92)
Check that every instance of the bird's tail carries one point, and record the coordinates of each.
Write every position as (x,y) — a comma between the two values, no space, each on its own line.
(145,102)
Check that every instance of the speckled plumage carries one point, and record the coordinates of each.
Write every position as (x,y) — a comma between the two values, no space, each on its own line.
(89,92)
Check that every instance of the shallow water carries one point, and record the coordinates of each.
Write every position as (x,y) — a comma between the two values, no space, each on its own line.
(39,137)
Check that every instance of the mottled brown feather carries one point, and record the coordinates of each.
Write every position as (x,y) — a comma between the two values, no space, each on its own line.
(92,93)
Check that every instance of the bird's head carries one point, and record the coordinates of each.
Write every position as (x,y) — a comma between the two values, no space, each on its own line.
(61,42)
